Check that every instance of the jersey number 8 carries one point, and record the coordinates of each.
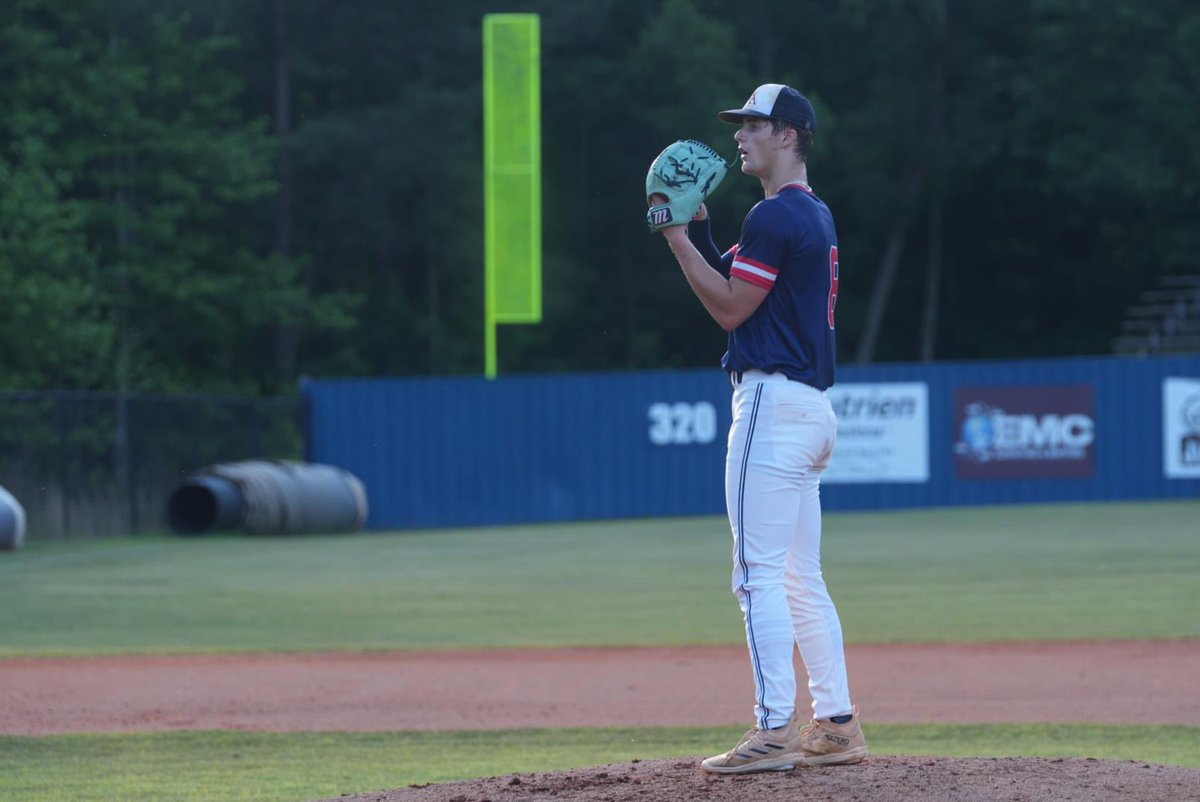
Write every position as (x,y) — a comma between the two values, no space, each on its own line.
(833,282)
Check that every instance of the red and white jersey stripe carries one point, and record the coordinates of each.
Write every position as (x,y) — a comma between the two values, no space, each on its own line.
(759,273)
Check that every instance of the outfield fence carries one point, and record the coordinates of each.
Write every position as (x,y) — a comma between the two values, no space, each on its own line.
(94,464)
(468,451)
(519,449)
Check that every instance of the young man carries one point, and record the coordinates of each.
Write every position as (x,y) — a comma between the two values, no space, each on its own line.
(778,307)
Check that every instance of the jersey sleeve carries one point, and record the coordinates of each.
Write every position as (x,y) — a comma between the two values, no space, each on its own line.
(763,245)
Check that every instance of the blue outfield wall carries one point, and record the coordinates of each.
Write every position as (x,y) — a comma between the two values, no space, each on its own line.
(469,451)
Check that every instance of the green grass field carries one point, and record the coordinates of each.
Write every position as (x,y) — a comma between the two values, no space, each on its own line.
(290,767)
(1021,572)
(1028,572)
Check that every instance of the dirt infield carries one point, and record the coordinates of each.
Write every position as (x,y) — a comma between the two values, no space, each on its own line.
(1119,682)
(880,779)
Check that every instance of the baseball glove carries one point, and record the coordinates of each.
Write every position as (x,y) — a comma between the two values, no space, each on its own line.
(685,173)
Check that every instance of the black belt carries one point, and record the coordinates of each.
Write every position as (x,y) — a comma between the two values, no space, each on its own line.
(736,376)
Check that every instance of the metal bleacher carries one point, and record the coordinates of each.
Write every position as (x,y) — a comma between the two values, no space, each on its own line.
(1165,320)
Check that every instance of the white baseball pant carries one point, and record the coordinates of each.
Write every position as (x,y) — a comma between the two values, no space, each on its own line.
(781,439)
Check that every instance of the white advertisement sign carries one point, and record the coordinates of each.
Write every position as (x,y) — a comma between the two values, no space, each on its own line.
(1181,428)
(883,433)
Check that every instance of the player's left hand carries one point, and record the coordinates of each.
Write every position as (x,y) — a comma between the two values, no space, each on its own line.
(680,178)
(658,199)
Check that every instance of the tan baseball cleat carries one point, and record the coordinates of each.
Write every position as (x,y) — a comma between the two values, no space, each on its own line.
(828,744)
(760,750)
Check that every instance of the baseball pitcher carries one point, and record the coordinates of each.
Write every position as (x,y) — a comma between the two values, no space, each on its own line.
(778,306)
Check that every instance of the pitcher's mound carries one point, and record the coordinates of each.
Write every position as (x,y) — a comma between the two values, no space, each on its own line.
(882,777)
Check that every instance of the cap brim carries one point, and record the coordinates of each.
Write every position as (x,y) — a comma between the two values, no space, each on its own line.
(737,115)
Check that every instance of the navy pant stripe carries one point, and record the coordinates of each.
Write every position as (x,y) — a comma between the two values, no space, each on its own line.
(741,508)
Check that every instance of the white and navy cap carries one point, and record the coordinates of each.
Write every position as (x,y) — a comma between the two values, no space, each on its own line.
(778,102)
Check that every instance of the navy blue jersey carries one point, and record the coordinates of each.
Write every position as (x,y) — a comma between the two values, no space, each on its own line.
(788,246)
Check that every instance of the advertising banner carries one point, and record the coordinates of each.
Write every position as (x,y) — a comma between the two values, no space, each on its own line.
(1024,432)
(883,433)
(1181,428)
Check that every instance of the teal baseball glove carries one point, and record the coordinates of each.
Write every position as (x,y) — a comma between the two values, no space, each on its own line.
(685,173)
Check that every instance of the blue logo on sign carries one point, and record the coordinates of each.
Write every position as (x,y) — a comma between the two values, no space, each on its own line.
(978,433)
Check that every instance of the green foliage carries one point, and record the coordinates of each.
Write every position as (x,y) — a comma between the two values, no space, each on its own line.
(284,767)
(52,331)
(1003,573)
(133,165)
(228,196)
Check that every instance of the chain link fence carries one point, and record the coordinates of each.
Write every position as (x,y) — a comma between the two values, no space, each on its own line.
(97,464)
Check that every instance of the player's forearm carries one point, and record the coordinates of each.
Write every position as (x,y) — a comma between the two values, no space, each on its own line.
(712,288)
(700,233)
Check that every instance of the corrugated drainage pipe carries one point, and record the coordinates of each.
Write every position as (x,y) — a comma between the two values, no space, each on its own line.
(268,497)
(12,522)
(204,504)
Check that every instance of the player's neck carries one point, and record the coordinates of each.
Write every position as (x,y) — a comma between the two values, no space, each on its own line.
(778,179)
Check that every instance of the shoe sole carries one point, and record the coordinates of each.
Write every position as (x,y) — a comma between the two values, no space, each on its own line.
(752,768)
(848,757)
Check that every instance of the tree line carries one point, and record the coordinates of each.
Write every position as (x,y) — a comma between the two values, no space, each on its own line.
(229,196)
